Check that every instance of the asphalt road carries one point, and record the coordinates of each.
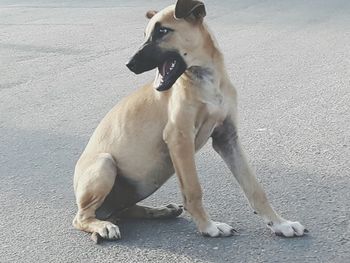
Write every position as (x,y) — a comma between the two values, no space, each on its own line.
(62,68)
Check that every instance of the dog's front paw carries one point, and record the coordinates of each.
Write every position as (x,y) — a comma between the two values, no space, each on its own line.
(217,229)
(287,228)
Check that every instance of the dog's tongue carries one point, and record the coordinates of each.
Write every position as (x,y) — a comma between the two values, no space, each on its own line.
(166,67)
(163,72)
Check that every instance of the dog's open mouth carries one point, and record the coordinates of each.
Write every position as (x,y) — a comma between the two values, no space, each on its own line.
(169,71)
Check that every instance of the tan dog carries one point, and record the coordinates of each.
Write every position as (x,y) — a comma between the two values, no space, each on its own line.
(157,130)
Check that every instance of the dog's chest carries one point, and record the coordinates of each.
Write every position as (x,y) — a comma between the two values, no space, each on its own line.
(212,99)
(208,92)
(213,112)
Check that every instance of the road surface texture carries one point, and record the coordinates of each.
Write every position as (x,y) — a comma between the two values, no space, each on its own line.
(62,67)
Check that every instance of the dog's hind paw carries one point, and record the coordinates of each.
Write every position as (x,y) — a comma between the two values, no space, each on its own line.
(217,229)
(174,210)
(287,228)
(106,231)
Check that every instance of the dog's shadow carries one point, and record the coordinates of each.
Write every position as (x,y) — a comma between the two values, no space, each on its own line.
(178,238)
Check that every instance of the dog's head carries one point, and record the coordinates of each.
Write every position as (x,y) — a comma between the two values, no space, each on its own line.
(175,41)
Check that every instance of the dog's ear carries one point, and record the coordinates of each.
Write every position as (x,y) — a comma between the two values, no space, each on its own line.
(189,8)
(151,13)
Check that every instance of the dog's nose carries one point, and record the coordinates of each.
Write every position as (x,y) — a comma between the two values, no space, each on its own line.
(131,64)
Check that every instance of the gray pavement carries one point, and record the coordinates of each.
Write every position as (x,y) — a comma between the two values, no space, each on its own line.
(62,68)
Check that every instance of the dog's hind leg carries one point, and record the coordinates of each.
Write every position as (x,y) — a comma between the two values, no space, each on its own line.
(146,212)
(91,189)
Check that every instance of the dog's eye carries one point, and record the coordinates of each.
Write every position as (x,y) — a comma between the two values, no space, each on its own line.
(162,31)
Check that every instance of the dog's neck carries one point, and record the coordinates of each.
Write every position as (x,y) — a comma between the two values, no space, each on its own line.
(213,73)
(198,73)
(211,68)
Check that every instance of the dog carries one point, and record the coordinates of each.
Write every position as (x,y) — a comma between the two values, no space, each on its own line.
(156,131)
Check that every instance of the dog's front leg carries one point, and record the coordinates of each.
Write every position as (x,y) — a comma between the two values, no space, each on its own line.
(226,143)
(182,149)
